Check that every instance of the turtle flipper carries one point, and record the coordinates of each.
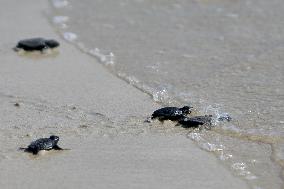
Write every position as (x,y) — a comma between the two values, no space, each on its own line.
(16,49)
(29,150)
(44,50)
(56,147)
(148,120)
(35,151)
(177,125)
(21,148)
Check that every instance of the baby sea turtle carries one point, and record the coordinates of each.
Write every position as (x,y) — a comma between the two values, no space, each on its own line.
(43,144)
(36,44)
(196,121)
(171,113)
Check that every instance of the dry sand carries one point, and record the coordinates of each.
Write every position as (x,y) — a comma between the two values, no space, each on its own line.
(96,115)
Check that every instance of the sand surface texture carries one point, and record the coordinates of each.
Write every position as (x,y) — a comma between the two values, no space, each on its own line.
(95,114)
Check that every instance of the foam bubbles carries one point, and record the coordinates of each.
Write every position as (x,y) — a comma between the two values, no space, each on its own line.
(60,3)
(69,36)
(107,59)
(161,96)
(241,169)
(239,166)
(60,19)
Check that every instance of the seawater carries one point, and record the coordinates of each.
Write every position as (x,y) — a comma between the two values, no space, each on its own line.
(220,56)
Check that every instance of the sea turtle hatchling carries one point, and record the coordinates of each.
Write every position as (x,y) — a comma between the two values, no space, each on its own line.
(194,122)
(171,113)
(43,144)
(36,44)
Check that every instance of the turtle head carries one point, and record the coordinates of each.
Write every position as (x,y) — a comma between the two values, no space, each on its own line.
(186,109)
(54,138)
(51,43)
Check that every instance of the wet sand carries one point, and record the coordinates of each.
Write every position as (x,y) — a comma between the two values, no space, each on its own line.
(95,114)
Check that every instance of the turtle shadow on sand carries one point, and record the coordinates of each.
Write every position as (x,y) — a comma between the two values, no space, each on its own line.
(37,55)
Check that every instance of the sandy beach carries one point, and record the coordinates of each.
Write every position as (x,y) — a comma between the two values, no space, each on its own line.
(98,116)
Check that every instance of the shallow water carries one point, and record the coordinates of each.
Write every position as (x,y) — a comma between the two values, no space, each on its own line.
(220,56)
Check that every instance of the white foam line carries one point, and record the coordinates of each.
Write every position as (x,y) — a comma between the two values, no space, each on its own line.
(60,3)
(69,36)
(60,19)
(106,59)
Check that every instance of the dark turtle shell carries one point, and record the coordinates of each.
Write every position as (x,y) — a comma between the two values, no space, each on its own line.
(43,144)
(171,113)
(196,121)
(34,44)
